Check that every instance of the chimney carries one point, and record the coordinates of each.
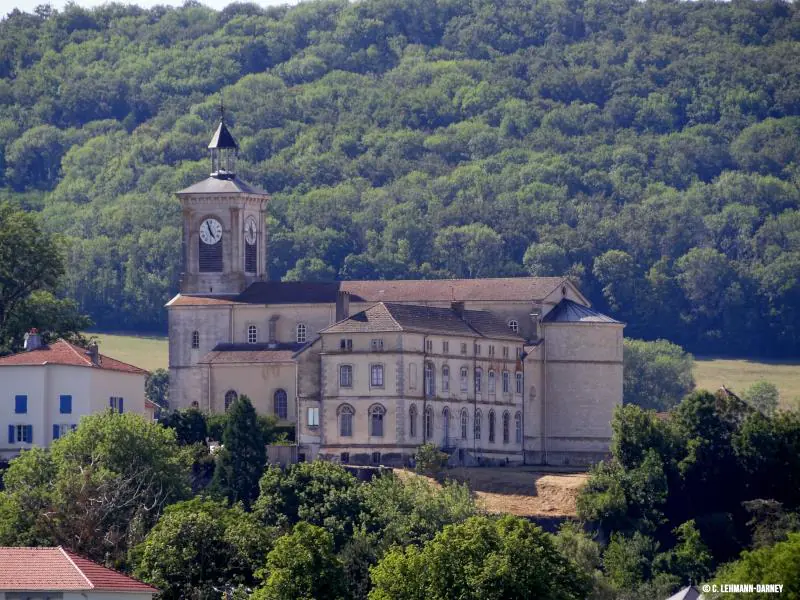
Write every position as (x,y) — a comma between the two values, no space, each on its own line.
(342,305)
(33,340)
(94,353)
(458,308)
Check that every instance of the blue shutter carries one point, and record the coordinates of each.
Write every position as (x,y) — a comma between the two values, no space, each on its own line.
(20,404)
(121,404)
(55,432)
(66,404)
(29,433)
(11,439)
(111,402)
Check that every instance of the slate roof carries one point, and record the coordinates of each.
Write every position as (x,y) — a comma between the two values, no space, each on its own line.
(568,311)
(218,185)
(389,316)
(523,289)
(61,352)
(222,138)
(687,593)
(58,569)
(232,354)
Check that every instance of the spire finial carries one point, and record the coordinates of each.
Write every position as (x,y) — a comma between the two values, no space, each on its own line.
(221,110)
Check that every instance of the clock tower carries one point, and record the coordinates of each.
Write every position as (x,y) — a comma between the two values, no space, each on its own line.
(224,225)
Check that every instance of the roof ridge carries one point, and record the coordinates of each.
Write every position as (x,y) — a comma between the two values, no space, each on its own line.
(66,553)
(80,355)
(391,316)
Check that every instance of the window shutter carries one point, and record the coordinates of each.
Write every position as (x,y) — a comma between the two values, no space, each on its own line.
(121,403)
(55,432)
(66,404)
(30,434)
(111,402)
(11,434)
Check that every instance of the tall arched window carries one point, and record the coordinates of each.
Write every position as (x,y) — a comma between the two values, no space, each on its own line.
(506,382)
(428,423)
(430,390)
(518,427)
(195,339)
(300,333)
(412,421)
(478,380)
(445,378)
(345,420)
(491,426)
(445,425)
(477,428)
(230,397)
(464,423)
(492,382)
(506,427)
(513,325)
(519,382)
(281,404)
(252,334)
(376,413)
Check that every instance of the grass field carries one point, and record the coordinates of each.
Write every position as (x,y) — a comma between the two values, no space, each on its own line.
(738,374)
(147,352)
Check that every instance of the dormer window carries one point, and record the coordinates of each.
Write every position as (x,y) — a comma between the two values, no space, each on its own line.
(513,325)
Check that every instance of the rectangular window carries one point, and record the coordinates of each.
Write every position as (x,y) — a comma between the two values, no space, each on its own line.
(477,349)
(345,458)
(65,404)
(345,376)
(272,330)
(62,429)
(445,347)
(428,345)
(250,257)
(21,404)
(377,345)
(117,404)
(412,376)
(464,348)
(519,382)
(506,382)
(505,351)
(376,458)
(464,379)
(346,344)
(313,416)
(519,353)
(491,350)
(24,434)
(376,376)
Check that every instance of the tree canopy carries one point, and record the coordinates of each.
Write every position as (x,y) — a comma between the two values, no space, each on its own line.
(649,150)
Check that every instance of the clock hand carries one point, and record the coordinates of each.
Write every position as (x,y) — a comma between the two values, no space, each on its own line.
(208,229)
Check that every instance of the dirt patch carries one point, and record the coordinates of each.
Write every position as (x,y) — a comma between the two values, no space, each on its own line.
(521,492)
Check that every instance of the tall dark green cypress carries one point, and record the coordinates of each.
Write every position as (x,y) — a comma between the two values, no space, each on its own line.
(241,461)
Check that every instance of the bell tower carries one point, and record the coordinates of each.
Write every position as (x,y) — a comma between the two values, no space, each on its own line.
(224,225)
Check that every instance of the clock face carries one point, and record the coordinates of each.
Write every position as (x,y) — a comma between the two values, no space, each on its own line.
(250,231)
(210,231)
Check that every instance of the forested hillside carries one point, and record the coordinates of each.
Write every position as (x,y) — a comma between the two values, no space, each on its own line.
(649,149)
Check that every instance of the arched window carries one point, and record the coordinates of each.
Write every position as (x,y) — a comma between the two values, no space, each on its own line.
(412,421)
(492,382)
(491,426)
(376,412)
(195,339)
(477,428)
(345,420)
(518,427)
(513,325)
(428,423)
(464,379)
(230,397)
(430,390)
(519,382)
(506,382)
(478,380)
(464,423)
(445,378)
(281,404)
(346,376)
(252,334)
(300,333)
(506,427)
(445,425)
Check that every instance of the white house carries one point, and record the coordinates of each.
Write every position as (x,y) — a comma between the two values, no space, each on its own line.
(46,389)
(57,573)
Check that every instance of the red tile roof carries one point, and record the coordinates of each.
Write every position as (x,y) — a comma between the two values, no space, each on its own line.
(58,569)
(61,352)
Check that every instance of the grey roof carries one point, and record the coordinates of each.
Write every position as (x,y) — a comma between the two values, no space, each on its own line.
(687,593)
(568,311)
(389,316)
(222,137)
(250,353)
(218,185)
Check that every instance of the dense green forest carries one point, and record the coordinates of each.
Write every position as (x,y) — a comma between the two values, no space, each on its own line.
(651,150)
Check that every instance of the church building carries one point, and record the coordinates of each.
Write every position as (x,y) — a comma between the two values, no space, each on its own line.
(494,371)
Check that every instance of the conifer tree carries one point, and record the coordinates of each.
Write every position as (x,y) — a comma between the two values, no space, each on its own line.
(241,461)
